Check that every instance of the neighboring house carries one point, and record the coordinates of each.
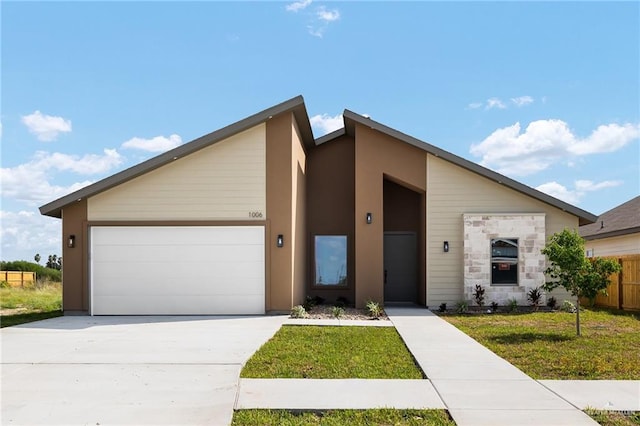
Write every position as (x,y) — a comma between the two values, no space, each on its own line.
(615,232)
(257,215)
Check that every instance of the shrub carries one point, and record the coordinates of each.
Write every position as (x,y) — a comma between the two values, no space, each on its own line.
(342,301)
(512,305)
(494,306)
(567,306)
(462,307)
(309,303)
(552,302)
(443,307)
(373,309)
(4,284)
(298,311)
(478,295)
(337,311)
(534,296)
(318,300)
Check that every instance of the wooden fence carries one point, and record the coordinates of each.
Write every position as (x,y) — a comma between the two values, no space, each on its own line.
(623,291)
(18,278)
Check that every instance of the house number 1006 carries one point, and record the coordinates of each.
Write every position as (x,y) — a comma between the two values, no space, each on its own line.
(255,215)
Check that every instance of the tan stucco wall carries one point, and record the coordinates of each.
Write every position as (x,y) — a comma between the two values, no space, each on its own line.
(454,191)
(614,246)
(224,181)
(378,156)
(75,295)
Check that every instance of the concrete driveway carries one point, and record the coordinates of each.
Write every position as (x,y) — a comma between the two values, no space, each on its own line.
(127,370)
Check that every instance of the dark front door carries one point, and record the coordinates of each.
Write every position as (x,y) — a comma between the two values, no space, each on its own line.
(400,267)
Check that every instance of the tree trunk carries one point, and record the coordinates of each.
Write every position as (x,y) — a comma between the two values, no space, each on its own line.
(578,315)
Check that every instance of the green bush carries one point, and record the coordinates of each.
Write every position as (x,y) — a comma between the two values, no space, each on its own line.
(298,311)
(374,309)
(42,273)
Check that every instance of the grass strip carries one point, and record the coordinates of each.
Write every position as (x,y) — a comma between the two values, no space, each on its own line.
(342,417)
(544,345)
(333,352)
(613,418)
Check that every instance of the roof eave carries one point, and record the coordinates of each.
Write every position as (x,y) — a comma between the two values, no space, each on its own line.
(294,105)
(351,117)
(617,233)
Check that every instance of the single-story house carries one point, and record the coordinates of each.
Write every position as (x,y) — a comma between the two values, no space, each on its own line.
(615,232)
(257,215)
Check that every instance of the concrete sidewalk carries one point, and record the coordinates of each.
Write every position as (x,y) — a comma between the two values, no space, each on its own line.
(476,385)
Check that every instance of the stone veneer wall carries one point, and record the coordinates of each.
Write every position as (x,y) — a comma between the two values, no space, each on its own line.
(479,230)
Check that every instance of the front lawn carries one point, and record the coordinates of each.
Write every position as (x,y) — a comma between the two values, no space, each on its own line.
(545,346)
(342,417)
(612,418)
(333,352)
(20,305)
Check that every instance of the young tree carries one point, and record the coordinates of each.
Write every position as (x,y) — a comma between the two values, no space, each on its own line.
(37,258)
(571,269)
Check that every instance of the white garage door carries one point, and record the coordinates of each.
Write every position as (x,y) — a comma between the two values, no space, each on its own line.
(184,270)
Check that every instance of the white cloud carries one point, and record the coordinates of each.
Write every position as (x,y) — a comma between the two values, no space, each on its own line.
(324,123)
(157,144)
(46,127)
(522,100)
(581,187)
(545,142)
(25,233)
(297,5)
(474,105)
(29,182)
(495,103)
(327,15)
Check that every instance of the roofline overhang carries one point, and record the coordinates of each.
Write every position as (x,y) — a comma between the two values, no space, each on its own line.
(293,105)
(617,233)
(351,118)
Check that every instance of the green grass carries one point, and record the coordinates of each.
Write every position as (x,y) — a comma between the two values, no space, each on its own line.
(545,346)
(332,352)
(39,302)
(342,417)
(611,418)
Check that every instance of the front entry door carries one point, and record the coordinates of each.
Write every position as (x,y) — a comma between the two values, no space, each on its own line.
(400,267)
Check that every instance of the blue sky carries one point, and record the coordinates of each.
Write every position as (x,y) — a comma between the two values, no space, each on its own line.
(547,93)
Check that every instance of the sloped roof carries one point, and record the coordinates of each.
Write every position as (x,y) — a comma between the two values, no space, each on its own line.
(621,220)
(294,105)
(351,118)
(297,107)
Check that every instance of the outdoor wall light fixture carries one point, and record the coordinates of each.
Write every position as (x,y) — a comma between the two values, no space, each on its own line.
(280,240)
(445,246)
(71,242)
(369,218)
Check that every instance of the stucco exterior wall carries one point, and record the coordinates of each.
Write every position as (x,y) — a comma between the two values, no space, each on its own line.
(299,216)
(224,181)
(454,191)
(75,294)
(614,246)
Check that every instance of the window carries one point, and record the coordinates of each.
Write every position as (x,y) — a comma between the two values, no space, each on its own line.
(504,261)
(331,260)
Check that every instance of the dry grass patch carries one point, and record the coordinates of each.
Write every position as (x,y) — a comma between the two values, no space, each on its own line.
(377,417)
(19,305)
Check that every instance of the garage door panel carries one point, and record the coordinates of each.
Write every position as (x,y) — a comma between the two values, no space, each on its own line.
(177,270)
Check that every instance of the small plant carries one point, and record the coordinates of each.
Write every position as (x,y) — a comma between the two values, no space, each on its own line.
(298,311)
(342,302)
(4,284)
(534,296)
(552,302)
(374,309)
(512,305)
(494,306)
(442,308)
(317,300)
(462,307)
(567,306)
(337,311)
(309,303)
(478,295)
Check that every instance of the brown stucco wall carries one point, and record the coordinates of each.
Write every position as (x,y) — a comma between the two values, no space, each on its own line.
(378,156)
(299,217)
(285,215)
(330,206)
(75,294)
